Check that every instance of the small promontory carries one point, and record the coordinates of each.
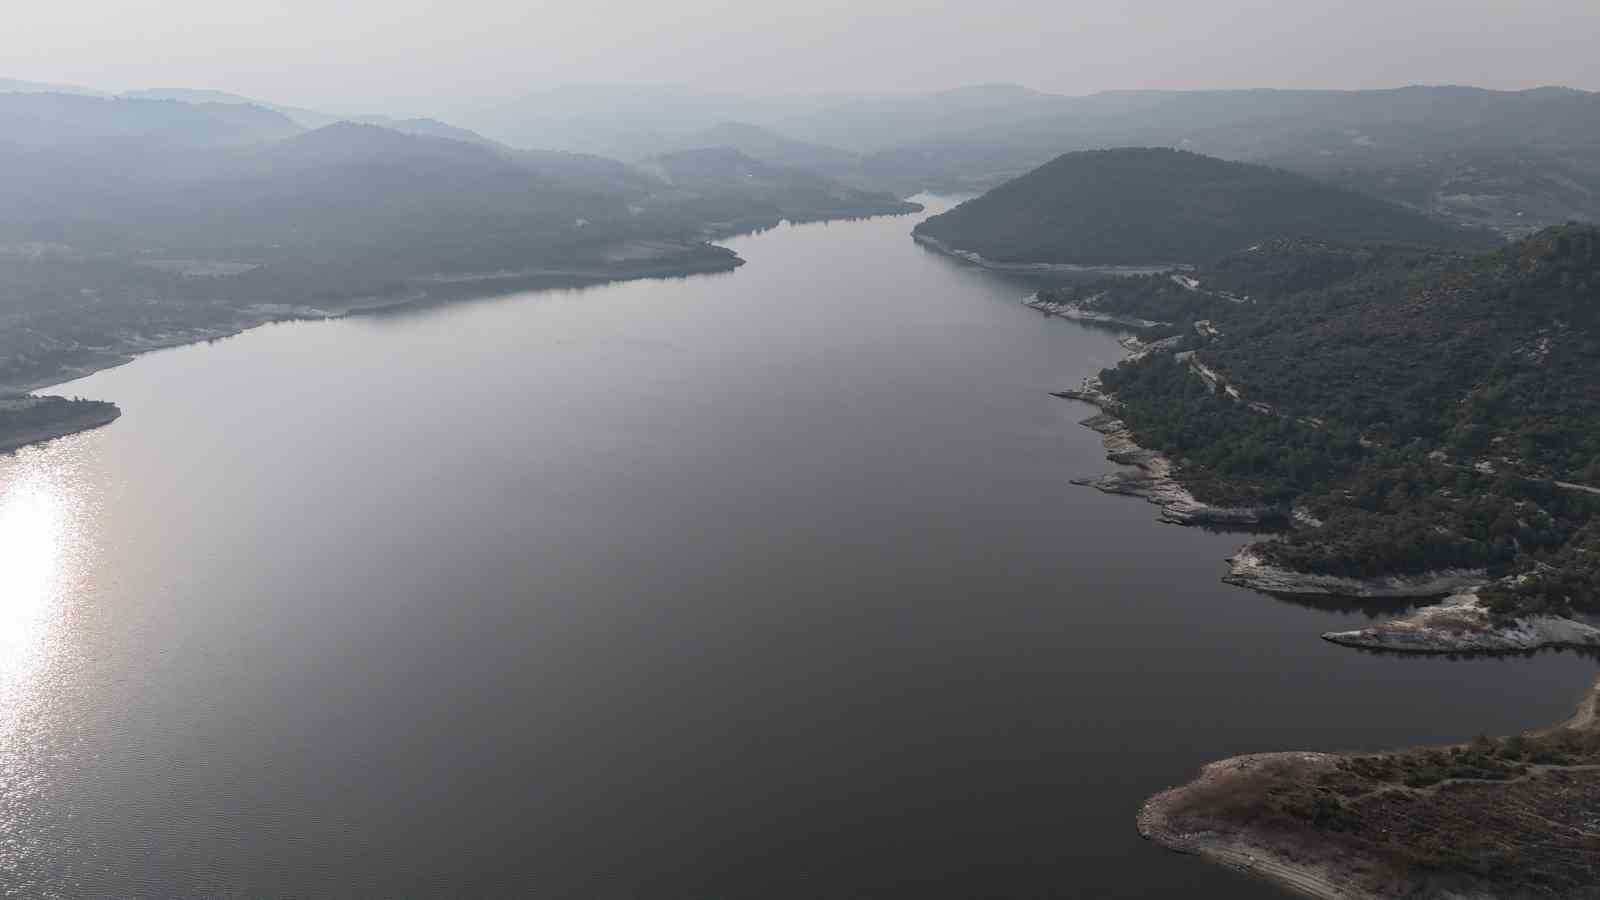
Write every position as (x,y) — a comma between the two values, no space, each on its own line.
(1508,817)
(30,419)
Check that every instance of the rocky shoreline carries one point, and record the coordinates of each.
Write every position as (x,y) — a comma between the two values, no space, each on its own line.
(1078,313)
(1160,822)
(1242,812)
(1153,480)
(1248,569)
(1462,625)
(1459,625)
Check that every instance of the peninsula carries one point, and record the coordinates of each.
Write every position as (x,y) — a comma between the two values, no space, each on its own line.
(1504,817)
(30,420)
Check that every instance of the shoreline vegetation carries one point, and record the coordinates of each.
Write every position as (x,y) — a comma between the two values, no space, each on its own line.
(142,223)
(679,261)
(1460,624)
(631,261)
(27,418)
(1038,268)
(1154,479)
(1149,209)
(33,420)
(1414,423)
(1508,817)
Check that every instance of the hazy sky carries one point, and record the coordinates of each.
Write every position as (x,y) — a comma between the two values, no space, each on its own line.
(397,55)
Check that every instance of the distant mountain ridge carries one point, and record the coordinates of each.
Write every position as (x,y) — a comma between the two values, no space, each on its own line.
(1151,205)
(1512,160)
(737,192)
(767,146)
(42,120)
(1515,160)
(18,86)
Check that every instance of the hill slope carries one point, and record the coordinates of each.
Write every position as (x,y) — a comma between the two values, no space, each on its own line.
(1429,411)
(1516,160)
(83,123)
(1132,206)
(132,223)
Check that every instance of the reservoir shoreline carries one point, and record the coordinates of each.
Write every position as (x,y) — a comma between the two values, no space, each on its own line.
(1207,817)
(686,553)
(1452,627)
(425,291)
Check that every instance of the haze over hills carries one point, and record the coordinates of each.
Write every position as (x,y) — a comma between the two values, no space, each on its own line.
(735,192)
(876,124)
(626,121)
(14,85)
(767,146)
(101,186)
(84,123)
(131,220)
(1142,206)
(305,118)
(1466,153)
(1513,160)
(1350,329)
(153,146)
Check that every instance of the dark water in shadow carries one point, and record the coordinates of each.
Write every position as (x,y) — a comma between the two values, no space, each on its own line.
(768,584)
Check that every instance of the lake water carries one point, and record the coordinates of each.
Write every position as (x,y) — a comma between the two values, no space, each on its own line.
(768,584)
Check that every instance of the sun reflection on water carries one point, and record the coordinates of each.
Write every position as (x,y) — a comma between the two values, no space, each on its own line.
(43,549)
(39,509)
(31,525)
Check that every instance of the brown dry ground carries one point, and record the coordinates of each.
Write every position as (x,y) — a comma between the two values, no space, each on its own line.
(1506,818)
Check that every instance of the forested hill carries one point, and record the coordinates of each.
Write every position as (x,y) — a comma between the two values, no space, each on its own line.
(1432,409)
(129,223)
(1150,205)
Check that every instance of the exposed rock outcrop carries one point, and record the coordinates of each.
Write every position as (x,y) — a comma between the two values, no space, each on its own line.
(1248,568)
(1153,479)
(1083,313)
(1462,625)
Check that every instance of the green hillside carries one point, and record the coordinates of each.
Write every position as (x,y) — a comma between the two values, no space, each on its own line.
(1431,409)
(1133,206)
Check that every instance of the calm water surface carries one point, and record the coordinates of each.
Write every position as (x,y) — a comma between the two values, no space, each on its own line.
(764,585)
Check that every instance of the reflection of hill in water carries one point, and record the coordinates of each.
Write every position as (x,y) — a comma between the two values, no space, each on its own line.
(1371,607)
